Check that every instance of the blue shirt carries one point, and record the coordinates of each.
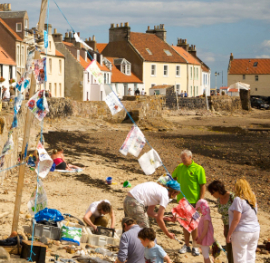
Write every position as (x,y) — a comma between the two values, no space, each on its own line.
(155,254)
(131,248)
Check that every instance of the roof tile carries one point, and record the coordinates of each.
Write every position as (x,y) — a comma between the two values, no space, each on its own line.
(101,46)
(245,66)
(186,55)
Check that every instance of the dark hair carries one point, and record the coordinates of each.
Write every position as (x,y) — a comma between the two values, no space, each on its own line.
(217,186)
(147,233)
(105,207)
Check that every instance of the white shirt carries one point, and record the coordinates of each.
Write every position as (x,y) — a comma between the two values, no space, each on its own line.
(93,208)
(151,193)
(6,95)
(142,92)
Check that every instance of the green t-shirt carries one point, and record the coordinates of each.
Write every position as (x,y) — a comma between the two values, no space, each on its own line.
(190,178)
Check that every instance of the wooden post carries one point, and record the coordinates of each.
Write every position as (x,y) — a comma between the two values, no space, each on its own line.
(42,16)
(28,122)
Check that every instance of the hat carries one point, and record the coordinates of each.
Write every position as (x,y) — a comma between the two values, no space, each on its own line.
(202,203)
(173,185)
(125,220)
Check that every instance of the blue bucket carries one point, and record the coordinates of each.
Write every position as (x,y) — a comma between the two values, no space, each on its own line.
(109,180)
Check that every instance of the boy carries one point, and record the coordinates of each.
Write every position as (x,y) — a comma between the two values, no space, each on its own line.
(153,253)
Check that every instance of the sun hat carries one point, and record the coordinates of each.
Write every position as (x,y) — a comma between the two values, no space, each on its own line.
(173,185)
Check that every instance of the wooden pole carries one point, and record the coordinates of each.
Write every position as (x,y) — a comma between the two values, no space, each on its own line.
(28,122)
(42,16)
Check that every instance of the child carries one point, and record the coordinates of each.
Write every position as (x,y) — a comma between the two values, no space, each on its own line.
(153,253)
(205,229)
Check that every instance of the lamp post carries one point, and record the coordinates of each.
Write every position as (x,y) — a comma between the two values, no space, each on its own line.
(217,74)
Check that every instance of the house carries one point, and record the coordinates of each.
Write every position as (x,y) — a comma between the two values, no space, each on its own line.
(232,92)
(205,72)
(152,59)
(79,83)
(193,69)
(159,89)
(253,71)
(55,67)
(7,69)
(123,81)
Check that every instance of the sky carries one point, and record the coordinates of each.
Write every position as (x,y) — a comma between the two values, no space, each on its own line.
(216,27)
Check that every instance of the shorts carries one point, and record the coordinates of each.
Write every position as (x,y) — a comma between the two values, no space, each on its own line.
(61,166)
(136,211)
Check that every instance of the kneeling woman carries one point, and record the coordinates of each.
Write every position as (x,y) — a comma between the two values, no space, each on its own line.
(59,161)
(95,214)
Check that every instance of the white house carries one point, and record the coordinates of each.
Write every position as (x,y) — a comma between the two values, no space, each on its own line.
(159,90)
(206,74)
(7,70)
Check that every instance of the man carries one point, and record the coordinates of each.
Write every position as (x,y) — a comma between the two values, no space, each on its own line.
(191,178)
(137,92)
(130,250)
(149,195)
(6,94)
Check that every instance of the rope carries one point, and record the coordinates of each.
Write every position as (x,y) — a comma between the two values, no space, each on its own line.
(9,168)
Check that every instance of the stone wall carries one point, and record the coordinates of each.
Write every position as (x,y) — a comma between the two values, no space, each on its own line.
(139,107)
(171,98)
(192,103)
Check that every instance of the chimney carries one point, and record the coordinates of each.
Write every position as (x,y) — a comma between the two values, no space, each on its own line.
(192,51)
(49,27)
(231,57)
(92,43)
(183,44)
(55,31)
(148,28)
(101,60)
(159,31)
(112,25)
(119,33)
(95,56)
(9,7)
(57,37)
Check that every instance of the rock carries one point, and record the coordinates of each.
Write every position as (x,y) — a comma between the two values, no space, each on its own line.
(258,250)
(5,192)
(71,250)
(263,251)
(267,246)
(44,240)
(28,216)
(4,254)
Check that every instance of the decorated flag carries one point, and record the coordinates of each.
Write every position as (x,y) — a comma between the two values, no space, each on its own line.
(77,39)
(113,103)
(150,161)
(45,161)
(95,71)
(38,105)
(8,145)
(134,142)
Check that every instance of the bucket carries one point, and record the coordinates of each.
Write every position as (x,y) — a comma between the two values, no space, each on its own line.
(109,180)
(126,184)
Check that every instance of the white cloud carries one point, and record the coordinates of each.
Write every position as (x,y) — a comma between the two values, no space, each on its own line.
(263,56)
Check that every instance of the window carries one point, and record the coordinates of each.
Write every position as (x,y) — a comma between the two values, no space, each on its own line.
(153,70)
(177,71)
(55,89)
(60,90)
(128,69)
(157,92)
(50,45)
(50,65)
(149,51)
(256,78)
(108,78)
(165,71)
(25,27)
(244,76)
(18,56)
(167,52)
(255,64)
(50,87)
(105,78)
(10,72)
(197,73)
(191,72)
(60,66)
(1,70)
(88,76)
(22,57)
(123,68)
(191,91)
(178,89)
(18,27)
(78,55)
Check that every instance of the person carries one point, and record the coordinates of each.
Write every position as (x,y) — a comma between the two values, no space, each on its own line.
(12,92)
(137,92)
(185,94)
(244,228)
(182,94)
(149,195)
(95,214)
(6,94)
(153,253)
(130,249)
(59,160)
(205,229)
(224,201)
(191,177)
(142,92)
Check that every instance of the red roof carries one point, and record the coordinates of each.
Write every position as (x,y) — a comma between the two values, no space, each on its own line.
(224,88)
(156,47)
(5,59)
(204,68)
(233,90)
(119,77)
(101,46)
(102,68)
(68,44)
(9,29)
(186,55)
(248,66)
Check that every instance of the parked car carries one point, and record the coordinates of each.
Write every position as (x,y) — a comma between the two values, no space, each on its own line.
(259,103)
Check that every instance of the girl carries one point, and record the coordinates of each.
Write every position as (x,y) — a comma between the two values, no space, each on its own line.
(205,229)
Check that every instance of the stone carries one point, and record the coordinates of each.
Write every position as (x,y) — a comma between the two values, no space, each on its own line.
(265,252)
(4,254)
(71,250)
(44,240)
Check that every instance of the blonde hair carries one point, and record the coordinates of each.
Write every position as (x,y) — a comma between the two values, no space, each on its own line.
(55,151)
(243,190)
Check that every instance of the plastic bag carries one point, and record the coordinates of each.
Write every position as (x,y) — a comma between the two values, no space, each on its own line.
(45,161)
(71,234)
(41,202)
(48,214)
(216,249)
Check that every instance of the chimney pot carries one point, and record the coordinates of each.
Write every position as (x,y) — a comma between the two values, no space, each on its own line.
(148,28)
(55,31)
(126,24)
(66,35)
(9,7)
(112,25)
(117,25)
(185,41)
(121,24)
(195,47)
(155,27)
(94,38)
(70,34)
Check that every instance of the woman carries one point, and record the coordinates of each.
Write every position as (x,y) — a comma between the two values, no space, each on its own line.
(59,160)
(224,201)
(95,214)
(244,226)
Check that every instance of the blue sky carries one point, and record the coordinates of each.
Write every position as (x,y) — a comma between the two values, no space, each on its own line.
(217,28)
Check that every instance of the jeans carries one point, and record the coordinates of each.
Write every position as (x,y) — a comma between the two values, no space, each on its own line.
(244,246)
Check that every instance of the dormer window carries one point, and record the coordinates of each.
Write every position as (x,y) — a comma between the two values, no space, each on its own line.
(18,27)
(107,63)
(149,51)
(167,52)
(255,64)
(78,55)
(123,65)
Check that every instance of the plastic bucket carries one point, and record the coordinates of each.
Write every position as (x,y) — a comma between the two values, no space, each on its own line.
(109,180)
(126,184)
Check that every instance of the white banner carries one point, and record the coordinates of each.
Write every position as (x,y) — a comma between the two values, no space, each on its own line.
(150,161)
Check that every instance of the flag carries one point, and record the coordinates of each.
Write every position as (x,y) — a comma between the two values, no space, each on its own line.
(150,161)
(113,103)
(95,71)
